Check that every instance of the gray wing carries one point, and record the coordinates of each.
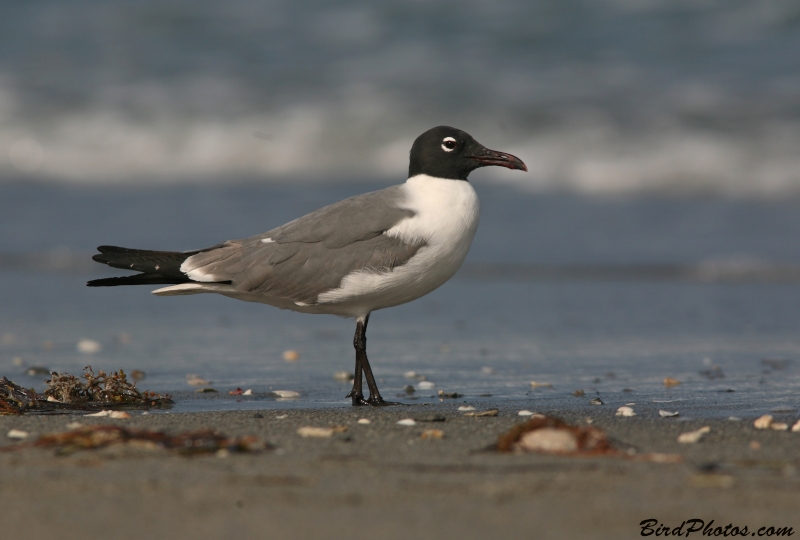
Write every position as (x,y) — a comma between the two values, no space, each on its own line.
(312,254)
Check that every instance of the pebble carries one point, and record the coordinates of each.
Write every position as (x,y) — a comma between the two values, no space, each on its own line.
(426,385)
(408,389)
(89,346)
(669,381)
(407,422)
(449,395)
(625,411)
(525,413)
(291,355)
(344,376)
(796,427)
(596,401)
(763,422)
(432,434)
(431,418)
(364,421)
(466,408)
(578,393)
(320,432)
(779,426)
(691,437)
(17,434)
(490,412)
(535,384)
(286,393)
(411,375)
(667,414)
(207,390)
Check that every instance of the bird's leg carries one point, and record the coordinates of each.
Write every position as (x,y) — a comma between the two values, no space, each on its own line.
(362,363)
(360,345)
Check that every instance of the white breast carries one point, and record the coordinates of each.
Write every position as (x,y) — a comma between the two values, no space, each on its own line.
(446,215)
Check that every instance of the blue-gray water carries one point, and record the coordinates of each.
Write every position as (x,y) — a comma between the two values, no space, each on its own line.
(600,334)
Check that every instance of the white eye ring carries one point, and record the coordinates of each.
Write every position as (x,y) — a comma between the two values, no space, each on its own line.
(448,144)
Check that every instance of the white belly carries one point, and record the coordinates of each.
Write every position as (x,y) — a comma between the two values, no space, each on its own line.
(446,215)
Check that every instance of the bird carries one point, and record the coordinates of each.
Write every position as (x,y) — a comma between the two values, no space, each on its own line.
(368,252)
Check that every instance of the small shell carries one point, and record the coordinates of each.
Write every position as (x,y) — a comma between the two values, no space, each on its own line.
(286,393)
(343,376)
(490,412)
(669,381)
(535,384)
(319,432)
(691,437)
(625,411)
(196,380)
(17,434)
(291,355)
(666,414)
(432,434)
(596,401)
(525,413)
(426,385)
(796,427)
(407,422)
(248,392)
(364,421)
(763,422)
(466,408)
(88,346)
(779,426)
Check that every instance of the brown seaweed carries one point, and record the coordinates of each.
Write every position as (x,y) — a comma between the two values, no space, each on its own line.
(66,392)
(203,441)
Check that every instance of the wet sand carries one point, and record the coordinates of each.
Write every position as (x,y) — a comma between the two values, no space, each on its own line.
(384,481)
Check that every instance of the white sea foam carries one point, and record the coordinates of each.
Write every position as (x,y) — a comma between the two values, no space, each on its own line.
(590,102)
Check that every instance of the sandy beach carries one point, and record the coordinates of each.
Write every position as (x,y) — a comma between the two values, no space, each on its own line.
(384,480)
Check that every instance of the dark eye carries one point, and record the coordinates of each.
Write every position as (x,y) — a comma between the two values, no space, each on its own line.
(448,144)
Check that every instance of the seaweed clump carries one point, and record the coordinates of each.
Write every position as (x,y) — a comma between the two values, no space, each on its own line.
(66,392)
(204,441)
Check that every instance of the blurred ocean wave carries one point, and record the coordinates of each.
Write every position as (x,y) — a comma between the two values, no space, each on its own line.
(596,96)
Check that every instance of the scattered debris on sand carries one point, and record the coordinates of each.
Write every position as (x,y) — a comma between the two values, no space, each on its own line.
(550,435)
(68,393)
(95,437)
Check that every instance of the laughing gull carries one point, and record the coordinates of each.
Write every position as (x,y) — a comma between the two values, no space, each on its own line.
(368,252)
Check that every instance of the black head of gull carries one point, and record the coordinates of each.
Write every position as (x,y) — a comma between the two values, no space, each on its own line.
(447,152)
(368,252)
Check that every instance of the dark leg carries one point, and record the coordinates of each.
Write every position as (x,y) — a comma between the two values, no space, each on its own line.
(362,364)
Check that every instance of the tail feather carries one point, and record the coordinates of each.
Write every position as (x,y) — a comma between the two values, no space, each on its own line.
(157,267)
